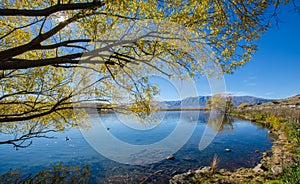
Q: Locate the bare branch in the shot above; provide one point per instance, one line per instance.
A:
(64, 44)
(18, 142)
(20, 28)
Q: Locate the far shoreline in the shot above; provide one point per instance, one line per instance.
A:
(185, 109)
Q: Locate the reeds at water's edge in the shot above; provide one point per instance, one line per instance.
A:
(214, 163)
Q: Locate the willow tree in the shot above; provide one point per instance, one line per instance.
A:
(110, 45)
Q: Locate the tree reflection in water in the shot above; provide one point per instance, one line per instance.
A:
(220, 122)
(20, 134)
(56, 174)
(23, 141)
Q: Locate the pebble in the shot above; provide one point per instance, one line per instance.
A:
(174, 173)
(257, 168)
(187, 158)
(276, 170)
(189, 173)
(159, 171)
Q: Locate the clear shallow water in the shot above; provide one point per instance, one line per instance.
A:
(242, 137)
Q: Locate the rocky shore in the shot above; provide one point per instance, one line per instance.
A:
(269, 168)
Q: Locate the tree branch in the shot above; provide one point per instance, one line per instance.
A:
(25, 63)
(53, 109)
(50, 10)
(35, 43)
(16, 28)
(18, 142)
(64, 44)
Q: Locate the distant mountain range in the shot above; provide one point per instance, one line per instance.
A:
(200, 101)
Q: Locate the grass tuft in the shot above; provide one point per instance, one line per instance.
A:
(214, 163)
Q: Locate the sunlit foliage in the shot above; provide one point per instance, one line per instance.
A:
(58, 54)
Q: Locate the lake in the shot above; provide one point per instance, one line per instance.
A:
(137, 152)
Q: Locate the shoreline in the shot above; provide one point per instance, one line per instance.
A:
(270, 166)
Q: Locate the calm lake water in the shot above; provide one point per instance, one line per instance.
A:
(242, 137)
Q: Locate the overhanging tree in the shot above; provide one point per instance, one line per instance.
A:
(109, 44)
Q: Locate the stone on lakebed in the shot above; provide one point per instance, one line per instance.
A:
(171, 157)
(228, 150)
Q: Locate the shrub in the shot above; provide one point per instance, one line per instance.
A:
(295, 136)
(292, 174)
(259, 116)
(243, 105)
(273, 121)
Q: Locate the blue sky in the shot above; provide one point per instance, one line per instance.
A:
(273, 72)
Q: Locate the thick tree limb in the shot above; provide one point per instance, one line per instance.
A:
(36, 42)
(67, 59)
(51, 10)
(24, 63)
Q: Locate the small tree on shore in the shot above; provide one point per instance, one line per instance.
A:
(220, 102)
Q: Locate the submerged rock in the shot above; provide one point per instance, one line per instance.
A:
(159, 171)
(270, 131)
(228, 150)
(171, 157)
(189, 159)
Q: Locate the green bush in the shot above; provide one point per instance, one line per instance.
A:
(274, 182)
(292, 174)
(294, 133)
(298, 152)
(259, 116)
(273, 121)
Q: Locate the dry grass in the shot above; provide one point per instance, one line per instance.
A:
(214, 163)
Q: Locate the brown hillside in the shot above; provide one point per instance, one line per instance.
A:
(288, 108)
